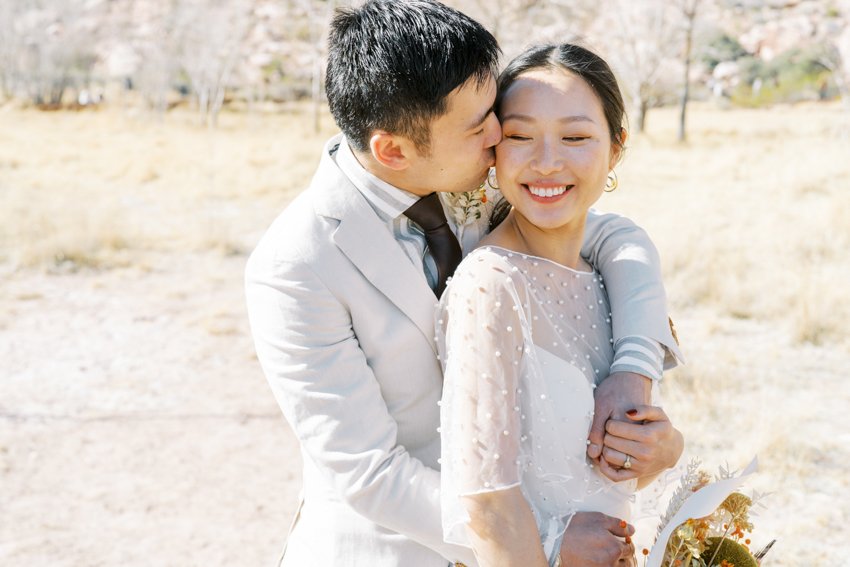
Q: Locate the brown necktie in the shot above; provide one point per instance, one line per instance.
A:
(428, 213)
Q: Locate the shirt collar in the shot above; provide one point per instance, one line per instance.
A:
(388, 201)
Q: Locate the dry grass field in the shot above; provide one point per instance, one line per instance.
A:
(137, 429)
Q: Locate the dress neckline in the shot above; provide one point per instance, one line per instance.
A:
(592, 272)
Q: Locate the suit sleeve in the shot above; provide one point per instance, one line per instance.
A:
(631, 268)
(324, 386)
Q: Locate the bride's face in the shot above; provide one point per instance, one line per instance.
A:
(556, 149)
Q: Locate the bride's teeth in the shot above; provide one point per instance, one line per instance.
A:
(548, 191)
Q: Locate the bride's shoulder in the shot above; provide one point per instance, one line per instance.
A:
(487, 258)
(487, 267)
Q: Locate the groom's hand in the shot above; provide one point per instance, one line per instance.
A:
(595, 540)
(618, 393)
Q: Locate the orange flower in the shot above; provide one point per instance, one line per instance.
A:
(645, 551)
(738, 533)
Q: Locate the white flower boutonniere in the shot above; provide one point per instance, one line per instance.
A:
(470, 206)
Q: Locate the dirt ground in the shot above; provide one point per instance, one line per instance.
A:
(135, 425)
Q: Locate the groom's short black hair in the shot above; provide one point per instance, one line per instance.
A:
(392, 63)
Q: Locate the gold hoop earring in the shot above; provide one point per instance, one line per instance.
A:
(491, 178)
(612, 183)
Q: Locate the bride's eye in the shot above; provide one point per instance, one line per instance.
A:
(517, 137)
(575, 138)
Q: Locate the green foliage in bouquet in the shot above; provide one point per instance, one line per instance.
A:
(720, 551)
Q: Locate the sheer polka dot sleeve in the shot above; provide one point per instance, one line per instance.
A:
(481, 344)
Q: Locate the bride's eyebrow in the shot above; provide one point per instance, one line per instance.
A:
(564, 119)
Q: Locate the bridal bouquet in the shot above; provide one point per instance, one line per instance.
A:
(707, 523)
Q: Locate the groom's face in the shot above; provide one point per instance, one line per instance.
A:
(462, 142)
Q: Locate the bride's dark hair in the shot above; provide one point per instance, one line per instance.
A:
(575, 59)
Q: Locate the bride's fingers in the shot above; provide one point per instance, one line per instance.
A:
(618, 459)
(630, 431)
(641, 432)
(625, 447)
(647, 413)
(616, 473)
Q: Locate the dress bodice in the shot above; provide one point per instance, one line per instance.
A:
(523, 341)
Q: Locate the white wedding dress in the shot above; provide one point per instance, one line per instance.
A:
(523, 341)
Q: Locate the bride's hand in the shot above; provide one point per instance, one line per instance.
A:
(648, 438)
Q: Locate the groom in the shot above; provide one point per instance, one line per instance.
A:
(341, 291)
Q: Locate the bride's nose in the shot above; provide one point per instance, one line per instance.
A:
(547, 157)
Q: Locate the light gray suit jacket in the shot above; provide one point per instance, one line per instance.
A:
(343, 326)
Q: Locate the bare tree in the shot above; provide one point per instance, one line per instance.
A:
(318, 16)
(639, 37)
(211, 35)
(8, 47)
(149, 32)
(551, 20)
(493, 14)
(689, 14)
(836, 57)
(47, 47)
(286, 50)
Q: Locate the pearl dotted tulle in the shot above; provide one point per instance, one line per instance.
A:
(524, 341)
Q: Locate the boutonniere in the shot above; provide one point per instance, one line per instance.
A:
(469, 206)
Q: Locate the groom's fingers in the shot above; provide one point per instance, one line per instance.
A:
(597, 434)
(615, 395)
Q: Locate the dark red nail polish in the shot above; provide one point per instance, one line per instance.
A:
(632, 412)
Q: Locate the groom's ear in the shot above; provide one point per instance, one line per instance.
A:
(390, 150)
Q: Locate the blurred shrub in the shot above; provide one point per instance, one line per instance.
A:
(718, 47)
(795, 75)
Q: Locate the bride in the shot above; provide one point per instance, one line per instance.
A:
(525, 332)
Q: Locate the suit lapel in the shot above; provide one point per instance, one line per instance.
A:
(366, 241)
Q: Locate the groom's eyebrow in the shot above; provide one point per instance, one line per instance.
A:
(479, 120)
